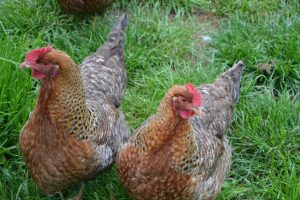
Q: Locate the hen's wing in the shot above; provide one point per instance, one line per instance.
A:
(103, 73)
(218, 102)
(214, 153)
(104, 81)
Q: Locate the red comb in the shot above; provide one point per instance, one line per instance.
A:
(33, 55)
(196, 95)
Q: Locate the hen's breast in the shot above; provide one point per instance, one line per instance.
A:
(154, 176)
(54, 158)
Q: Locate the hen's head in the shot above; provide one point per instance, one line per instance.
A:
(40, 62)
(186, 101)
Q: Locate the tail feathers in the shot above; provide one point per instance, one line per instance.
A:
(235, 75)
(117, 36)
(121, 24)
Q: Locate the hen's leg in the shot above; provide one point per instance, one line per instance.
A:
(60, 195)
(79, 196)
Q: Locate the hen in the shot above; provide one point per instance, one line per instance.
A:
(84, 6)
(178, 155)
(76, 128)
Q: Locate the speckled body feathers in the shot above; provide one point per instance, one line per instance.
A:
(77, 127)
(172, 158)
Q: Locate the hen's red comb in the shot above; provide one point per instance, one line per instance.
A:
(34, 55)
(196, 95)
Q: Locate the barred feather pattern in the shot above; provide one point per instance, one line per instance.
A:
(108, 79)
(210, 129)
(171, 158)
(104, 80)
(77, 127)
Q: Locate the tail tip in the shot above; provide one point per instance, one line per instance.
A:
(236, 77)
(240, 64)
(122, 23)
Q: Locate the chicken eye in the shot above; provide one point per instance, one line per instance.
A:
(183, 100)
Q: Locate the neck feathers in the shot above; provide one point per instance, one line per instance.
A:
(164, 126)
(62, 97)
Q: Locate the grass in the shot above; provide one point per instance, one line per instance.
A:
(163, 47)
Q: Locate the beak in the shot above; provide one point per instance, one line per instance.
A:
(198, 111)
(23, 65)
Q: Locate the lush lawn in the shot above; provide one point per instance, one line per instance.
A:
(164, 47)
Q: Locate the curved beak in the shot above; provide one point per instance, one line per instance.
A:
(23, 65)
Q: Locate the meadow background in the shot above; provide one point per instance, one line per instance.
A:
(164, 46)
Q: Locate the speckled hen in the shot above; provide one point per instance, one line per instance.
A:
(84, 6)
(77, 127)
(177, 155)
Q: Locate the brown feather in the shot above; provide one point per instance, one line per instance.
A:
(84, 6)
(173, 158)
(54, 158)
(72, 133)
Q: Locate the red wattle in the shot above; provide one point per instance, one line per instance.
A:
(185, 114)
(37, 74)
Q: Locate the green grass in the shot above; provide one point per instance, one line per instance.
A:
(163, 47)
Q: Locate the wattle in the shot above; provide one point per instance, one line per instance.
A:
(37, 74)
(185, 114)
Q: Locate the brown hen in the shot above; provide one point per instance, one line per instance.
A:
(76, 128)
(176, 155)
(84, 6)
